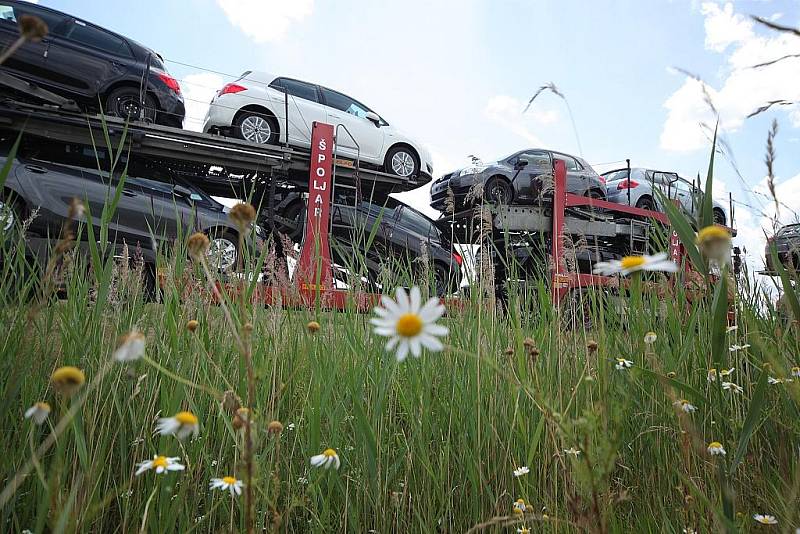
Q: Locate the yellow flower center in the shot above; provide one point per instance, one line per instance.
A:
(186, 418)
(715, 445)
(684, 402)
(69, 376)
(712, 233)
(409, 325)
(229, 480)
(160, 461)
(632, 262)
(330, 453)
(43, 406)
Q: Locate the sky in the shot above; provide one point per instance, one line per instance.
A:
(456, 75)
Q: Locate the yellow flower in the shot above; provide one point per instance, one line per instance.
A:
(409, 324)
(313, 326)
(326, 460)
(715, 448)
(181, 425)
(714, 243)
(192, 325)
(160, 464)
(67, 380)
(38, 412)
(650, 338)
(519, 507)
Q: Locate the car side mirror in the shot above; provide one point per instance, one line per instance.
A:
(374, 117)
(520, 164)
(183, 192)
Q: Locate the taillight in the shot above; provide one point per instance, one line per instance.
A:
(170, 82)
(458, 258)
(627, 184)
(231, 88)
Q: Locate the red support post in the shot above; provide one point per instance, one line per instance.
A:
(314, 272)
(560, 280)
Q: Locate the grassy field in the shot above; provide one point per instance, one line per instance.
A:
(429, 444)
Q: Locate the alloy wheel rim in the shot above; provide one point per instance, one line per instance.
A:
(256, 129)
(403, 164)
(6, 216)
(222, 253)
(499, 194)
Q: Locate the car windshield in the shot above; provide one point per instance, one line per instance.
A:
(614, 176)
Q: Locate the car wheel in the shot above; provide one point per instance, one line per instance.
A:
(259, 128)
(498, 191)
(402, 161)
(124, 102)
(223, 251)
(646, 203)
(8, 216)
(443, 279)
(719, 217)
(294, 213)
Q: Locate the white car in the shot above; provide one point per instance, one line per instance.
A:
(254, 108)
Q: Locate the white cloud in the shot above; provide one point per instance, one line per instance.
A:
(742, 90)
(266, 20)
(506, 111)
(198, 89)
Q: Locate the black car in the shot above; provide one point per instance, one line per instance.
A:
(515, 179)
(150, 214)
(787, 244)
(399, 232)
(91, 65)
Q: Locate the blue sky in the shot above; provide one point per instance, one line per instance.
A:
(456, 75)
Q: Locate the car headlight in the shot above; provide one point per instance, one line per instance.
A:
(472, 170)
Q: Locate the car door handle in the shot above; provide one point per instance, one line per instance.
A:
(35, 168)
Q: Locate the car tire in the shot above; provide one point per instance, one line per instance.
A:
(294, 212)
(719, 217)
(223, 252)
(498, 191)
(256, 127)
(443, 279)
(124, 102)
(646, 203)
(402, 161)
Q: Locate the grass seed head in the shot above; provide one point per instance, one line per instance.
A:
(192, 325)
(32, 28)
(592, 345)
(313, 326)
(275, 427)
(243, 216)
(198, 244)
(231, 402)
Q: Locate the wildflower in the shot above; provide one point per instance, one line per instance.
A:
(227, 483)
(733, 388)
(160, 464)
(509, 351)
(519, 506)
(243, 216)
(519, 471)
(231, 401)
(796, 372)
(130, 347)
(67, 380)
(775, 381)
(573, 451)
(192, 325)
(726, 372)
(409, 325)
(765, 519)
(714, 243)
(241, 418)
(715, 448)
(623, 364)
(275, 427)
(735, 348)
(291, 427)
(672, 374)
(684, 405)
(689, 530)
(197, 245)
(313, 327)
(712, 375)
(523, 530)
(630, 264)
(38, 412)
(650, 338)
(326, 460)
(181, 425)
(592, 345)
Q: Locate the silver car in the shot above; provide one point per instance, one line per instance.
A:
(638, 190)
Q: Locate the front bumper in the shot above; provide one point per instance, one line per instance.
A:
(447, 185)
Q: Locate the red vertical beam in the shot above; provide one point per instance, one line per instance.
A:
(314, 268)
(560, 283)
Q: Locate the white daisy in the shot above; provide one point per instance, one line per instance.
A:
(735, 348)
(730, 329)
(523, 530)
(765, 519)
(519, 506)
(409, 324)
(326, 460)
(726, 372)
(689, 530)
(227, 483)
(712, 375)
(684, 405)
(130, 348)
(573, 451)
(650, 338)
(623, 364)
(733, 388)
(181, 425)
(630, 264)
(774, 381)
(796, 372)
(715, 448)
(518, 472)
(38, 412)
(160, 464)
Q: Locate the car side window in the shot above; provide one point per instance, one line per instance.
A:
(414, 222)
(306, 91)
(344, 103)
(535, 158)
(11, 14)
(569, 162)
(88, 35)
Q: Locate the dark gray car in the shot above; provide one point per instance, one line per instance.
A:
(519, 178)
